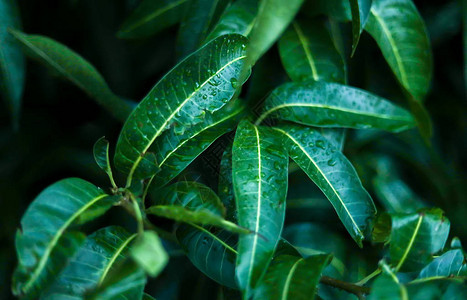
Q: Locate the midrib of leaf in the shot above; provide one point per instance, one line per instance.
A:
(409, 246)
(114, 257)
(214, 237)
(5, 70)
(402, 289)
(54, 241)
(154, 15)
(309, 57)
(161, 128)
(324, 176)
(289, 278)
(387, 117)
(394, 47)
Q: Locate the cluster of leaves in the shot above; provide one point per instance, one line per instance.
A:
(236, 236)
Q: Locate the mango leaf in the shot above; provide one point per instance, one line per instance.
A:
(333, 174)
(212, 252)
(387, 286)
(360, 10)
(335, 136)
(381, 229)
(273, 17)
(125, 281)
(151, 17)
(450, 264)
(225, 187)
(101, 156)
(238, 18)
(335, 9)
(308, 52)
(43, 227)
(192, 202)
(149, 253)
(92, 263)
(259, 171)
(12, 66)
(198, 87)
(200, 16)
(148, 297)
(416, 237)
(76, 69)
(401, 35)
(177, 148)
(334, 105)
(287, 274)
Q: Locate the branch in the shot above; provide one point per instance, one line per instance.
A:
(357, 290)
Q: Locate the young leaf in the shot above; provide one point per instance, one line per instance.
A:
(101, 156)
(308, 52)
(151, 17)
(360, 11)
(272, 19)
(416, 237)
(450, 264)
(238, 18)
(12, 66)
(149, 253)
(192, 202)
(333, 174)
(334, 105)
(92, 263)
(43, 226)
(401, 35)
(259, 171)
(197, 86)
(291, 277)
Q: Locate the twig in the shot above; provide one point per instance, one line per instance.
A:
(357, 290)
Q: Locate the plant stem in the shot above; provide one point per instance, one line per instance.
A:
(366, 279)
(357, 290)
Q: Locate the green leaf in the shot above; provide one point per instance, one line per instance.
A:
(151, 17)
(76, 69)
(44, 224)
(92, 263)
(12, 66)
(101, 156)
(177, 148)
(336, 9)
(259, 170)
(450, 264)
(148, 297)
(401, 35)
(195, 88)
(416, 237)
(291, 277)
(334, 105)
(200, 16)
(333, 174)
(388, 287)
(308, 52)
(211, 252)
(381, 229)
(149, 253)
(225, 187)
(192, 202)
(238, 18)
(273, 17)
(360, 10)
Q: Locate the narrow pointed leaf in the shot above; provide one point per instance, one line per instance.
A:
(44, 224)
(333, 174)
(151, 17)
(335, 9)
(327, 104)
(273, 17)
(101, 156)
(292, 277)
(92, 263)
(191, 202)
(450, 264)
(259, 170)
(238, 18)
(360, 10)
(401, 35)
(76, 69)
(12, 66)
(308, 52)
(194, 88)
(149, 253)
(335, 136)
(225, 187)
(416, 237)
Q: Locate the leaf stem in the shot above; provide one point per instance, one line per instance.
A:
(357, 290)
(369, 277)
(138, 214)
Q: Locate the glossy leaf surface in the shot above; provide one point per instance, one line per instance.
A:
(259, 170)
(149, 253)
(74, 68)
(401, 35)
(198, 86)
(360, 10)
(450, 264)
(388, 287)
(333, 174)
(151, 17)
(334, 105)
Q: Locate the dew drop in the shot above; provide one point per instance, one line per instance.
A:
(331, 162)
(320, 144)
(234, 82)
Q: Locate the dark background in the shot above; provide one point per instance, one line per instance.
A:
(60, 123)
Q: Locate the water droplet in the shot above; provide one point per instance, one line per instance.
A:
(224, 100)
(213, 93)
(234, 82)
(320, 144)
(205, 97)
(331, 162)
